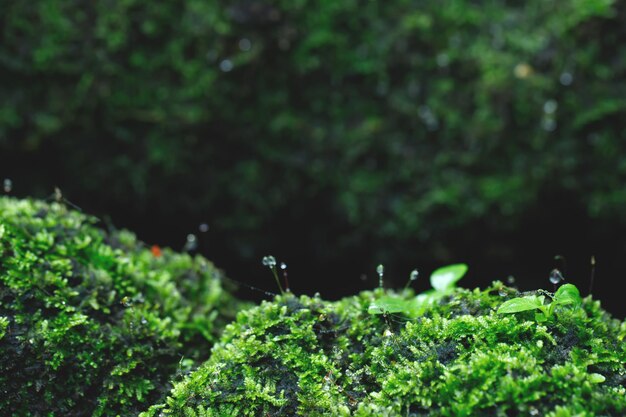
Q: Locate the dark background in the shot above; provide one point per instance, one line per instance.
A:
(332, 135)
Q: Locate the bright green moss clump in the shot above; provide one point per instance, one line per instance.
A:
(92, 323)
(307, 357)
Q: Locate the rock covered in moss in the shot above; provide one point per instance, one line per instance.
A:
(308, 357)
(94, 323)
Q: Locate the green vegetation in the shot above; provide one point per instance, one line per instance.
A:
(308, 357)
(400, 123)
(566, 295)
(443, 280)
(92, 323)
(95, 324)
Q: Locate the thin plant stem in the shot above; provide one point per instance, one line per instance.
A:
(275, 273)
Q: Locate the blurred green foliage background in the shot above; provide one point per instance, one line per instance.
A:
(333, 134)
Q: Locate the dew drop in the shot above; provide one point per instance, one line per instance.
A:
(502, 292)
(144, 321)
(550, 106)
(566, 78)
(191, 243)
(556, 276)
(203, 227)
(226, 65)
(380, 270)
(510, 280)
(414, 274)
(283, 266)
(269, 261)
(7, 185)
(387, 333)
(245, 44)
(443, 60)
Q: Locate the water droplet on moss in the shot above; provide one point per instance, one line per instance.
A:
(226, 65)
(380, 270)
(191, 243)
(566, 78)
(7, 185)
(556, 276)
(269, 261)
(550, 106)
(245, 44)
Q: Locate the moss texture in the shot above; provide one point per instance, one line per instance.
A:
(308, 357)
(93, 323)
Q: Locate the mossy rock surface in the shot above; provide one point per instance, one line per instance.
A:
(308, 357)
(93, 323)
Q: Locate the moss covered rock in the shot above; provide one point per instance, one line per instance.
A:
(309, 357)
(94, 323)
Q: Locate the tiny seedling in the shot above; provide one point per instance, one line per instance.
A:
(443, 281)
(566, 295)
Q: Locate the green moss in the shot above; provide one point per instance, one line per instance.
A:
(93, 323)
(308, 357)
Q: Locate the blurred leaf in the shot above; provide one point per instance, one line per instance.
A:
(446, 277)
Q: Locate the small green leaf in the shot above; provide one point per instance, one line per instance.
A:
(389, 304)
(445, 277)
(1, 230)
(540, 317)
(423, 301)
(596, 378)
(567, 294)
(516, 305)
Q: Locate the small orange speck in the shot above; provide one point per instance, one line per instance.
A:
(156, 251)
